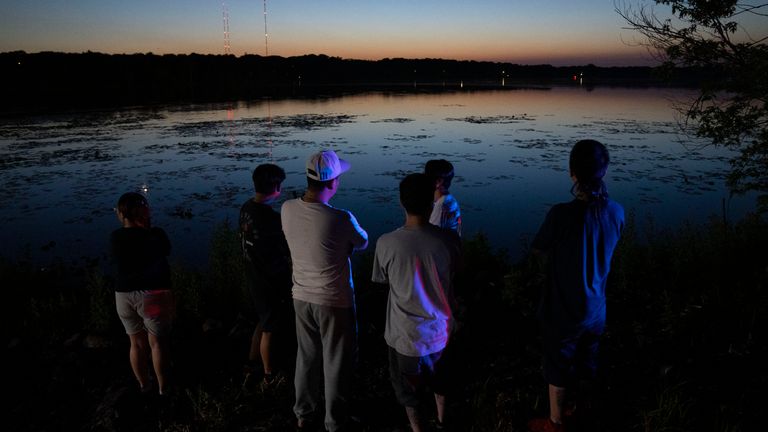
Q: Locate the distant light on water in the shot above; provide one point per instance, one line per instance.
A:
(144, 189)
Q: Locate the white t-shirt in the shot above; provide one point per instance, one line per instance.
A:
(446, 213)
(321, 238)
(419, 264)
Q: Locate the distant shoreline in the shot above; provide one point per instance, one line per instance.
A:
(44, 82)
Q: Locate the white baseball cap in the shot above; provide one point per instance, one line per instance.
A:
(325, 165)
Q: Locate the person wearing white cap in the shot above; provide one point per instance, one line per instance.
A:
(321, 239)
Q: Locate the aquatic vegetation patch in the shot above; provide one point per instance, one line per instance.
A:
(500, 119)
(398, 137)
(626, 126)
(394, 120)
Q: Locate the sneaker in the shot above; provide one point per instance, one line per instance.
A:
(544, 425)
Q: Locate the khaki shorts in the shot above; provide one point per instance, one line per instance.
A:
(151, 310)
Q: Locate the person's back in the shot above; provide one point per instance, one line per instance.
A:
(321, 239)
(578, 239)
(263, 242)
(268, 267)
(418, 261)
(140, 258)
(143, 297)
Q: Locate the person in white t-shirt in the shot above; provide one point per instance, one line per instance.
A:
(446, 212)
(418, 261)
(321, 239)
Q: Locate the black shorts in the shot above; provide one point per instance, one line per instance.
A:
(411, 376)
(569, 358)
(272, 304)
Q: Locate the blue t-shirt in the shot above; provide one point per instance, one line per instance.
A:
(578, 239)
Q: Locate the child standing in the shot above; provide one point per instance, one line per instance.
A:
(143, 289)
(577, 239)
(418, 261)
(446, 212)
(268, 266)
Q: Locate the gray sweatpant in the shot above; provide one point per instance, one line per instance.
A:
(326, 338)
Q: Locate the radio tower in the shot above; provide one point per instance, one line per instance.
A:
(225, 18)
(266, 34)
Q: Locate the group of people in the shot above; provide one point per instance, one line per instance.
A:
(298, 262)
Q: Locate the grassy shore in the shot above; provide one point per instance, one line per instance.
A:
(685, 347)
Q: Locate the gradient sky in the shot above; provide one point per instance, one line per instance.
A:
(558, 32)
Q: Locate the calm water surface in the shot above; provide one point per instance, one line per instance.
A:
(62, 174)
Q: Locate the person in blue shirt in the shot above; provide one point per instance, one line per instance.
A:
(577, 241)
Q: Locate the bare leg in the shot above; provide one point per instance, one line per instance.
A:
(138, 355)
(440, 404)
(413, 418)
(160, 360)
(265, 347)
(255, 351)
(556, 402)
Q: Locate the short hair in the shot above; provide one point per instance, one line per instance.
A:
(317, 185)
(417, 194)
(134, 207)
(267, 178)
(439, 169)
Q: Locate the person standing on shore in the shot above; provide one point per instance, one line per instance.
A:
(321, 239)
(143, 295)
(446, 212)
(418, 261)
(577, 240)
(268, 267)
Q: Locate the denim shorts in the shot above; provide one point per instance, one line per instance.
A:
(150, 310)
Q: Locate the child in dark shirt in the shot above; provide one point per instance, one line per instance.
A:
(268, 266)
(143, 289)
(578, 239)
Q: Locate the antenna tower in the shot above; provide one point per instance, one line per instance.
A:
(266, 34)
(225, 18)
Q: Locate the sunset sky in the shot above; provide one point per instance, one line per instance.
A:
(557, 32)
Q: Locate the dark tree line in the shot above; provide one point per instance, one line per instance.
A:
(51, 80)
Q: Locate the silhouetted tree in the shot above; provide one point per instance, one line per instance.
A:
(732, 107)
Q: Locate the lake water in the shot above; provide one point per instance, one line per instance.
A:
(62, 174)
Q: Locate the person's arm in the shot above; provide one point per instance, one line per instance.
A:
(359, 236)
(379, 272)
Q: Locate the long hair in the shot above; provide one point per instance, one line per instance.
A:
(134, 207)
(588, 163)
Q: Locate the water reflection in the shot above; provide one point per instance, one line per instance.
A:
(509, 149)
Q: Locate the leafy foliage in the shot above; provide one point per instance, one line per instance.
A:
(732, 106)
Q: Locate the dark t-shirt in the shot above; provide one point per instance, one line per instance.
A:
(578, 240)
(264, 246)
(140, 259)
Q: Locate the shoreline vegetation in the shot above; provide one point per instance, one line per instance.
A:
(54, 81)
(685, 347)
